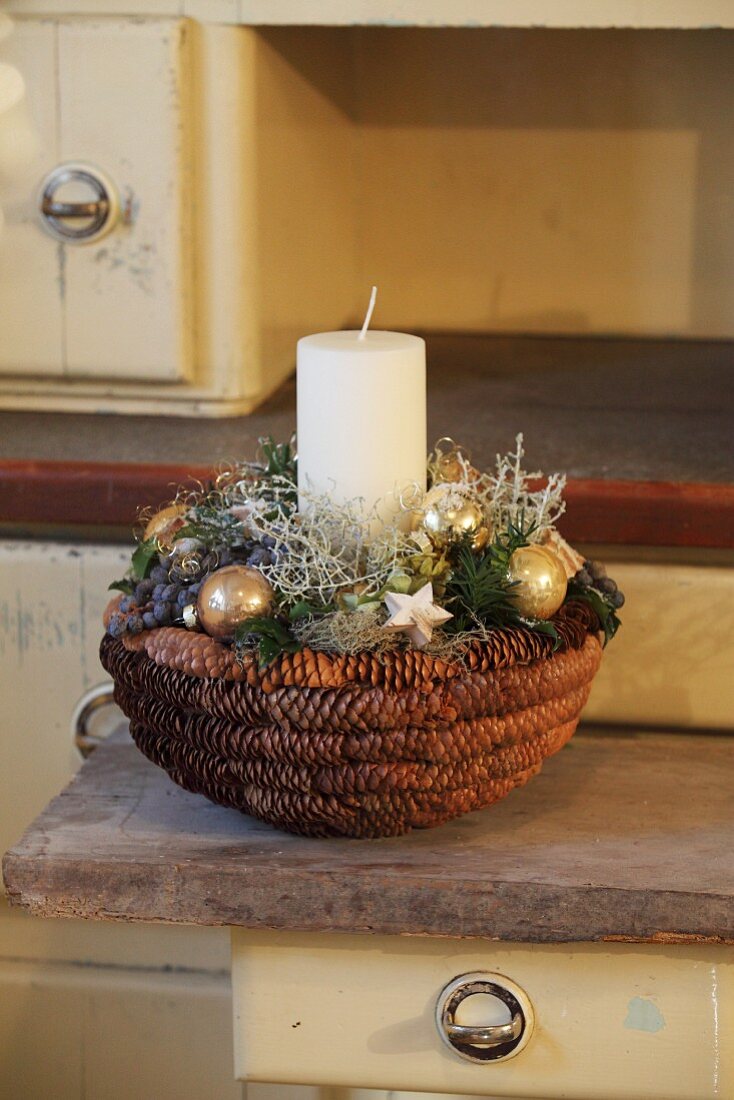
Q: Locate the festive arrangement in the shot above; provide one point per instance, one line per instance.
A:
(354, 640)
(477, 552)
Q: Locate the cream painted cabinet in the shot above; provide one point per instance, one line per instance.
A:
(328, 1017)
(111, 94)
(509, 179)
(232, 172)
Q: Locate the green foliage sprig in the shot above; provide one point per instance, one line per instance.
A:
(275, 478)
(480, 591)
(213, 527)
(514, 537)
(279, 459)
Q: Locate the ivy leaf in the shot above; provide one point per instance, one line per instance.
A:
(543, 626)
(143, 558)
(124, 585)
(271, 628)
(273, 638)
(605, 613)
(267, 650)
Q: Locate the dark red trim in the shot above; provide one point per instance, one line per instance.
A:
(104, 493)
(646, 513)
(649, 513)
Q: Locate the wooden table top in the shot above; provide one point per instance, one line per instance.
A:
(623, 836)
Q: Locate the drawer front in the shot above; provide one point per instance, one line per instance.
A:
(614, 1021)
(671, 665)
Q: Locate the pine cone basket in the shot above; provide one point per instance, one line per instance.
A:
(358, 746)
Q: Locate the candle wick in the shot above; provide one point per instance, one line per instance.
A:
(368, 315)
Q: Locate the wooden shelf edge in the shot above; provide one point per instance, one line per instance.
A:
(101, 890)
(617, 512)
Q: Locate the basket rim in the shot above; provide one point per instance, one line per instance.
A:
(205, 658)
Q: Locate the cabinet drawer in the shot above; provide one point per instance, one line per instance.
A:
(613, 1021)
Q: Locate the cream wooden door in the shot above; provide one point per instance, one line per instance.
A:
(113, 94)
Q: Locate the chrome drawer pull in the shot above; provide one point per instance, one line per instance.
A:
(490, 1042)
(74, 209)
(78, 203)
(492, 1036)
(91, 702)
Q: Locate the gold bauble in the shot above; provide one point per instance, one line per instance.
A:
(449, 466)
(231, 595)
(540, 578)
(449, 516)
(164, 524)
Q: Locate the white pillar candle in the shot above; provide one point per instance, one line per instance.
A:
(361, 417)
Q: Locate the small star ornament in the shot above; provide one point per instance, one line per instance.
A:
(415, 615)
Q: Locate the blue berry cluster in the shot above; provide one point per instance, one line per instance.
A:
(594, 575)
(156, 601)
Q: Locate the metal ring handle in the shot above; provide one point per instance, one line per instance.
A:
(493, 1036)
(491, 1042)
(95, 215)
(93, 700)
(74, 209)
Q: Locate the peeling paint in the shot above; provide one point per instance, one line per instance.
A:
(109, 259)
(138, 261)
(61, 270)
(644, 1015)
(715, 1012)
(130, 206)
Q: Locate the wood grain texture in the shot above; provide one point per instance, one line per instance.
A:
(621, 837)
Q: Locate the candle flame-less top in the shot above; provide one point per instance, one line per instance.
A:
(362, 416)
(348, 342)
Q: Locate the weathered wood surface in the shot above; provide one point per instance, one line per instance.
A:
(622, 836)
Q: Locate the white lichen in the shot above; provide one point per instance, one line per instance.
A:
(509, 493)
(327, 548)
